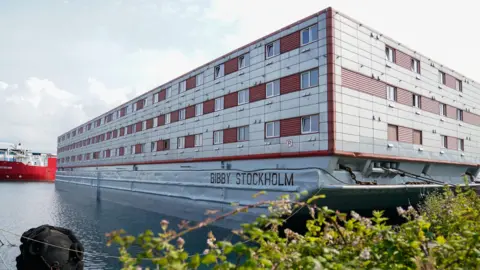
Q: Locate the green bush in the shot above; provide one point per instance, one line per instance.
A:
(442, 234)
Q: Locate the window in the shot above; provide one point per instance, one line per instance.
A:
(441, 77)
(219, 104)
(167, 118)
(443, 140)
(153, 146)
(417, 137)
(219, 71)
(443, 109)
(309, 79)
(168, 92)
(199, 79)
(218, 137)
(415, 65)
(163, 145)
(417, 101)
(198, 140)
(182, 86)
(180, 142)
(459, 114)
(389, 54)
(273, 88)
(309, 34)
(166, 144)
(155, 121)
(198, 109)
(391, 93)
(181, 114)
(242, 96)
(272, 49)
(243, 61)
(242, 134)
(156, 98)
(460, 145)
(310, 124)
(458, 85)
(392, 133)
(272, 129)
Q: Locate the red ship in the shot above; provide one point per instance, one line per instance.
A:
(22, 165)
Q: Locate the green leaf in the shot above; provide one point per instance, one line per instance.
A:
(441, 240)
(183, 256)
(228, 250)
(265, 262)
(316, 197)
(259, 193)
(162, 261)
(194, 261)
(209, 259)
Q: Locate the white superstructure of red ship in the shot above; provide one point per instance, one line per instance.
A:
(18, 164)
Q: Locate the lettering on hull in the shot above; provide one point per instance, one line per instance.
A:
(252, 179)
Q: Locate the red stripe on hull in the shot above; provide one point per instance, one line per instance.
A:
(19, 172)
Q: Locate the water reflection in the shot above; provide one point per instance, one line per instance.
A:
(27, 205)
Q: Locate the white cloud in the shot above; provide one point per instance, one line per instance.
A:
(3, 85)
(40, 111)
(40, 89)
(36, 113)
(112, 97)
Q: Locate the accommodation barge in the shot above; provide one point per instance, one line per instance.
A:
(326, 104)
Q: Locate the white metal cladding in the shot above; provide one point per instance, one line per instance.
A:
(361, 119)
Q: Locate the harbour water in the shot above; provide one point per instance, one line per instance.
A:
(27, 205)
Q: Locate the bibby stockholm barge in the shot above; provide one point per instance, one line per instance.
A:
(326, 104)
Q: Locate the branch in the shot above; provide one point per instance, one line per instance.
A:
(339, 231)
(221, 217)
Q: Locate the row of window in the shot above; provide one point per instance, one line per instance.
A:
(417, 102)
(391, 57)
(309, 124)
(307, 35)
(272, 49)
(415, 67)
(443, 80)
(393, 135)
(417, 138)
(308, 79)
(445, 144)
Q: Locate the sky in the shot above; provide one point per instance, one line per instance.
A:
(64, 62)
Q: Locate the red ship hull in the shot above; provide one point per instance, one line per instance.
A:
(19, 172)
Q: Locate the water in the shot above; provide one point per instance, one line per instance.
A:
(27, 205)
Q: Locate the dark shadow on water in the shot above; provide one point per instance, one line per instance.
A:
(100, 217)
